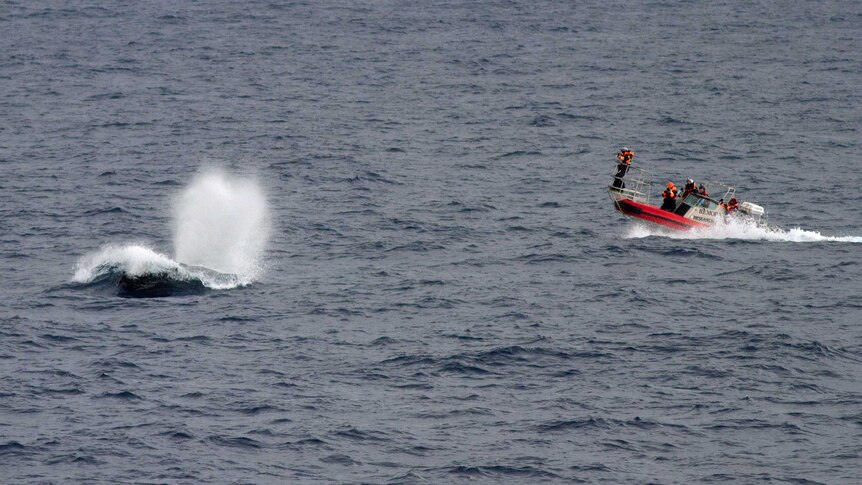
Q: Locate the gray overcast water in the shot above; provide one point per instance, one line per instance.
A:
(408, 269)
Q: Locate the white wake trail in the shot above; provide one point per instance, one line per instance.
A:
(740, 229)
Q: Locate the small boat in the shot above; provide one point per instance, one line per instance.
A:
(631, 196)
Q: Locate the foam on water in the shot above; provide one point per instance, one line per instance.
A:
(740, 229)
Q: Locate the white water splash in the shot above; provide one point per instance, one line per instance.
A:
(134, 260)
(740, 229)
(221, 226)
(221, 223)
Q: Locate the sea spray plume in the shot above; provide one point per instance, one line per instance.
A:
(221, 227)
(221, 222)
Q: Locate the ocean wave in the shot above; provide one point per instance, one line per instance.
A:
(137, 270)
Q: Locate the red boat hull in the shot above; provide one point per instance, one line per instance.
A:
(655, 215)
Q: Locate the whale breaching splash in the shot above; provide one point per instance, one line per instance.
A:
(741, 229)
(220, 225)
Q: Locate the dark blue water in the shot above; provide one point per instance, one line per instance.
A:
(446, 294)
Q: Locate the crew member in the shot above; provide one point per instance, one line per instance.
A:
(732, 206)
(702, 191)
(690, 188)
(625, 157)
(669, 195)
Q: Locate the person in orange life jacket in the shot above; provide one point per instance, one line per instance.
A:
(702, 191)
(669, 195)
(732, 206)
(690, 188)
(625, 157)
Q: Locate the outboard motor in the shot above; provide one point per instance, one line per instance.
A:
(752, 210)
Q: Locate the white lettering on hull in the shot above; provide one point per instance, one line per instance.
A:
(702, 214)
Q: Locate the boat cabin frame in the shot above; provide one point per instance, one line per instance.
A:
(637, 186)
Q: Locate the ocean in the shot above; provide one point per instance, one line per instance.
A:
(370, 242)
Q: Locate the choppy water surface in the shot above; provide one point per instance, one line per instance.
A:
(255, 242)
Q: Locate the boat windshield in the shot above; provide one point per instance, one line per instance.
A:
(695, 200)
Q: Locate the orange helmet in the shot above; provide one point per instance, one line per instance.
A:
(670, 185)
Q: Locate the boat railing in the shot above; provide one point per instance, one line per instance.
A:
(635, 185)
(729, 191)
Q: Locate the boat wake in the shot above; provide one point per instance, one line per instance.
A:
(740, 229)
(221, 226)
(138, 271)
